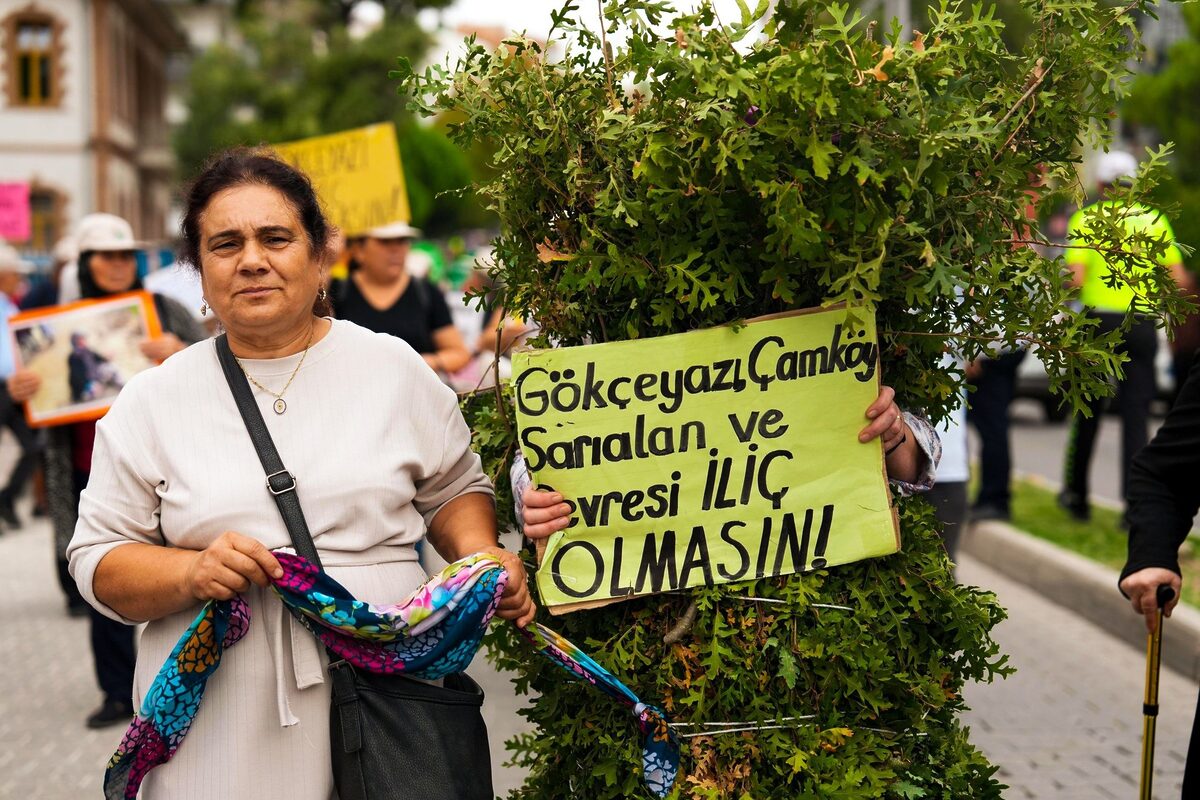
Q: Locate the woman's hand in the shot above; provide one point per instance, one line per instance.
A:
(887, 422)
(162, 347)
(1141, 588)
(23, 384)
(228, 566)
(902, 456)
(545, 512)
(515, 604)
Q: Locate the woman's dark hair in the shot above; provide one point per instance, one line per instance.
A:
(245, 166)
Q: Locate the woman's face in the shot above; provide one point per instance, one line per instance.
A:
(113, 271)
(256, 263)
(382, 259)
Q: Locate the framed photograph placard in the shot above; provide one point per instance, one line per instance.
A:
(84, 353)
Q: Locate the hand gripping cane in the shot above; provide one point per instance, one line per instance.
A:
(1162, 596)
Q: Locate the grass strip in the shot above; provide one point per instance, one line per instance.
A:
(1035, 511)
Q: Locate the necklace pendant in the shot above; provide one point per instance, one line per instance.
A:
(280, 405)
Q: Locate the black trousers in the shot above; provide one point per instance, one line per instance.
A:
(113, 651)
(114, 655)
(988, 412)
(12, 416)
(1135, 392)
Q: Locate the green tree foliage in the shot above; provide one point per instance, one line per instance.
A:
(279, 87)
(1163, 100)
(698, 174)
(1018, 20)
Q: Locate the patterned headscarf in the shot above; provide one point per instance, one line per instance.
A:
(434, 632)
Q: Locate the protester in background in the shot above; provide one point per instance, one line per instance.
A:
(107, 266)
(1163, 496)
(178, 513)
(13, 273)
(1109, 304)
(381, 295)
(994, 380)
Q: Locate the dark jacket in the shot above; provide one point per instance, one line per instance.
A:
(1163, 495)
(1164, 487)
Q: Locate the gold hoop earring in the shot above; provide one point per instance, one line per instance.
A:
(204, 309)
(321, 295)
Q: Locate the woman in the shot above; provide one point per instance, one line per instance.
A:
(1164, 496)
(178, 511)
(383, 296)
(107, 266)
(910, 445)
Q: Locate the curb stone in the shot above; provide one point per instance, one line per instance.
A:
(1083, 587)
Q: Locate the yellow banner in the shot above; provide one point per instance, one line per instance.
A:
(357, 176)
(706, 457)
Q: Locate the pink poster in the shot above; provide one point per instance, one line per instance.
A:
(14, 212)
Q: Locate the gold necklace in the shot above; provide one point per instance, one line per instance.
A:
(279, 405)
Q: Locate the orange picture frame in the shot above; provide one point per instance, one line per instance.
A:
(84, 352)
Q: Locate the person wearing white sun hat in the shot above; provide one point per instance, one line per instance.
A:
(107, 266)
(382, 294)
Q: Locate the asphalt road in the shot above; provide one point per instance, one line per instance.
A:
(1038, 448)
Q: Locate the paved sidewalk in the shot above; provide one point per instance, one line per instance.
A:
(1068, 724)
(46, 662)
(50, 687)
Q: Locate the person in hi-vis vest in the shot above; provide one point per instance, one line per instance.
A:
(1109, 305)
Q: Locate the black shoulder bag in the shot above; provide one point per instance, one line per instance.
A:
(392, 737)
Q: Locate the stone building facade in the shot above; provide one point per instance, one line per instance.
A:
(83, 92)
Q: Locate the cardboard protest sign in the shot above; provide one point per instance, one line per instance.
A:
(15, 223)
(707, 457)
(356, 174)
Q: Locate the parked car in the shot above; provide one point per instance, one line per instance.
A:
(1034, 384)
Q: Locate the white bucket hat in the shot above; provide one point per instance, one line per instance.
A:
(105, 233)
(11, 261)
(393, 230)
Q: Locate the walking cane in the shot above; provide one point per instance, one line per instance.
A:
(1162, 596)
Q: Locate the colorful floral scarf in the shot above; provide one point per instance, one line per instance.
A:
(433, 633)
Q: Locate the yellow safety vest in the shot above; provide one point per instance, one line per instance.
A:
(1095, 293)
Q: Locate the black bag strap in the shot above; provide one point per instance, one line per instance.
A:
(280, 483)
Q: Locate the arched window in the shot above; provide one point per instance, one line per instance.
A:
(33, 42)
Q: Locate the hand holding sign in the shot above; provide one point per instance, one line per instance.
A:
(545, 512)
(902, 457)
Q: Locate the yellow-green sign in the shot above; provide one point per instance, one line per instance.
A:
(707, 457)
(357, 176)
